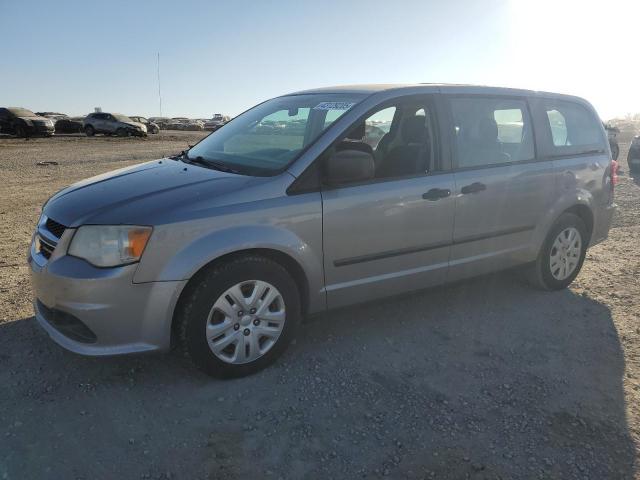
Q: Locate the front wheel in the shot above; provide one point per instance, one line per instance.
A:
(20, 131)
(562, 254)
(239, 317)
(89, 131)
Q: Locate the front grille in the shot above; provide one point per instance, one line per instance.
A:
(57, 229)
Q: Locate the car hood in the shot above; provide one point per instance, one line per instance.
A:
(144, 194)
(35, 117)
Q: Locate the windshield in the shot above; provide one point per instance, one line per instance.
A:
(121, 118)
(268, 137)
(21, 112)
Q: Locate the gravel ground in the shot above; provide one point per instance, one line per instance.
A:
(483, 379)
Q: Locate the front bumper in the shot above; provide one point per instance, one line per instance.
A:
(41, 130)
(122, 317)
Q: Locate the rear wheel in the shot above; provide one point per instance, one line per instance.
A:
(239, 317)
(615, 151)
(89, 130)
(634, 164)
(562, 254)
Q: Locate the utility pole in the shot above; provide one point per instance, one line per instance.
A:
(159, 94)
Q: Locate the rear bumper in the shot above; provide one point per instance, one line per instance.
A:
(602, 223)
(93, 311)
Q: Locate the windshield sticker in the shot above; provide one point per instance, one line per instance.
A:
(334, 106)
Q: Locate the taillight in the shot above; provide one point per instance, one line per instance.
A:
(614, 173)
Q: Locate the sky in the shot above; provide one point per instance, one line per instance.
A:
(225, 56)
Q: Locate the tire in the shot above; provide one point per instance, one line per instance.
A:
(540, 273)
(89, 131)
(198, 310)
(615, 151)
(121, 132)
(20, 131)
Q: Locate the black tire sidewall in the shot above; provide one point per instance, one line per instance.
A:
(214, 283)
(89, 131)
(567, 220)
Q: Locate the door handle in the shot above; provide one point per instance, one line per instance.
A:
(436, 194)
(475, 187)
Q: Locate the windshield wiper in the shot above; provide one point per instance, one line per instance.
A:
(209, 163)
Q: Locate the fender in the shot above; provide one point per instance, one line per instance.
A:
(192, 256)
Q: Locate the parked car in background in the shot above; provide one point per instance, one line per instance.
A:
(182, 123)
(160, 121)
(152, 127)
(612, 132)
(53, 116)
(633, 158)
(112, 124)
(70, 125)
(23, 123)
(224, 248)
(215, 122)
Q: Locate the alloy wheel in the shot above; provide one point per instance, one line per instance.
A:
(565, 253)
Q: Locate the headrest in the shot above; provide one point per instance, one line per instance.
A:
(357, 133)
(414, 129)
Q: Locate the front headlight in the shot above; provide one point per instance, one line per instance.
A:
(109, 246)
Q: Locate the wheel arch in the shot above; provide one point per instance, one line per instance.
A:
(290, 264)
(585, 214)
(579, 203)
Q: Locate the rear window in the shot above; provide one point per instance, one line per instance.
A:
(573, 129)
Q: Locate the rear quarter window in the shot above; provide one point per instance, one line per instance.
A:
(572, 129)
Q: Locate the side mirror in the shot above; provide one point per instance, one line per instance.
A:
(349, 166)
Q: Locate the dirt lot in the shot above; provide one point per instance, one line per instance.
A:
(483, 379)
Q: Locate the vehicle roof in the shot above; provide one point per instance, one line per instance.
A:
(107, 113)
(16, 108)
(434, 87)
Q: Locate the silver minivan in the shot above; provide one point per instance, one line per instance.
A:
(318, 200)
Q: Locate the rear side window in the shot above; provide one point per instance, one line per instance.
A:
(573, 128)
(491, 131)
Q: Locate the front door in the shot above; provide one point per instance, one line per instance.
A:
(393, 233)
